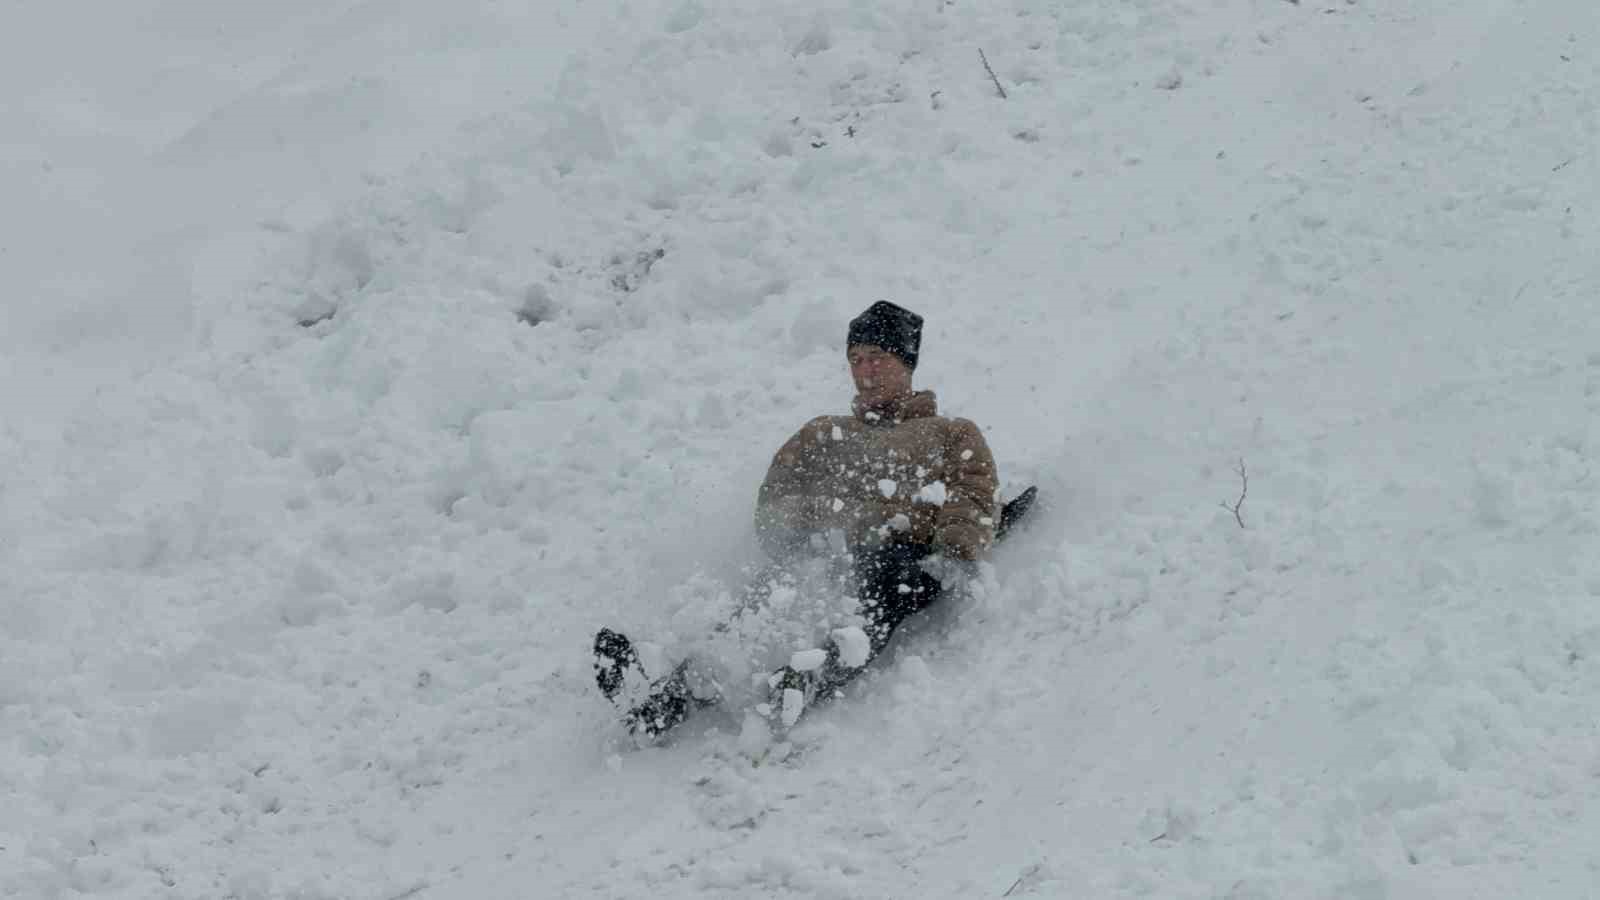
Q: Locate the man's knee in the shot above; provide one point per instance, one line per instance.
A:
(892, 585)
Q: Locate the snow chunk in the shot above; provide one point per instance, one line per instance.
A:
(887, 487)
(807, 660)
(934, 494)
(854, 646)
(838, 433)
(837, 504)
(966, 455)
(793, 703)
(899, 522)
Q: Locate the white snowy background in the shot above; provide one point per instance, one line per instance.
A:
(302, 611)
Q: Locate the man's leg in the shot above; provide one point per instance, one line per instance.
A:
(891, 585)
(669, 703)
(672, 697)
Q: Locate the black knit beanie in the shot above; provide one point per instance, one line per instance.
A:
(894, 328)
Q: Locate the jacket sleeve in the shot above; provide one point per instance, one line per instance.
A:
(786, 512)
(968, 518)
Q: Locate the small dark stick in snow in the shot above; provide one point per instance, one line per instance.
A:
(992, 77)
(1244, 481)
(1026, 874)
(411, 892)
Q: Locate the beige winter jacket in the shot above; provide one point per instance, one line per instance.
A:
(896, 473)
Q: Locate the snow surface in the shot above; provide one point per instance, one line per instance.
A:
(855, 648)
(303, 610)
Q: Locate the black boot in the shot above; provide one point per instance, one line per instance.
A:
(613, 654)
(671, 698)
(781, 714)
(668, 705)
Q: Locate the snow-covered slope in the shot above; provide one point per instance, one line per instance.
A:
(301, 610)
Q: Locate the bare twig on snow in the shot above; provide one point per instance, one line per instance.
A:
(1027, 873)
(992, 77)
(1244, 488)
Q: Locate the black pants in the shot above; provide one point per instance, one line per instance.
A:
(889, 582)
(891, 586)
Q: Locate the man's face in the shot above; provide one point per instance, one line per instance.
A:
(879, 375)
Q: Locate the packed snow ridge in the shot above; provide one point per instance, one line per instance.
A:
(360, 363)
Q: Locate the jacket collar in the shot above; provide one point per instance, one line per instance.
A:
(918, 405)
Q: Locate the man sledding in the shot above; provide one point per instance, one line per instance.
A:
(899, 497)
